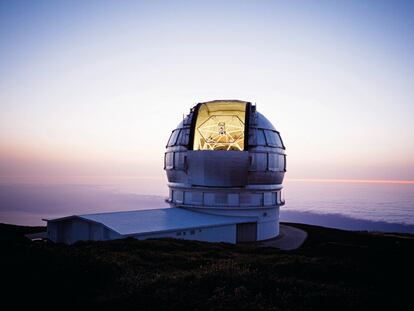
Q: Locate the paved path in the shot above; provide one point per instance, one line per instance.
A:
(289, 238)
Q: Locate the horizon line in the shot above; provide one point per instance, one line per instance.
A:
(348, 180)
(107, 177)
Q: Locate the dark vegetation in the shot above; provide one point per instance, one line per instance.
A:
(334, 270)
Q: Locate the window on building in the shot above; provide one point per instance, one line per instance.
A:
(273, 162)
(260, 136)
(179, 160)
(220, 199)
(273, 139)
(245, 199)
(258, 161)
(173, 138)
(183, 137)
(169, 160)
(178, 196)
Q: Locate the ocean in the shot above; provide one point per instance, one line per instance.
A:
(351, 205)
(368, 206)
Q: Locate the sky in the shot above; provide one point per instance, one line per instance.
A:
(93, 89)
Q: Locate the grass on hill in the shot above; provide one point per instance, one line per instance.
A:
(333, 270)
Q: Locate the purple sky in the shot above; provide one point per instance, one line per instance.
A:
(92, 89)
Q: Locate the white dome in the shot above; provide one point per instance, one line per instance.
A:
(226, 132)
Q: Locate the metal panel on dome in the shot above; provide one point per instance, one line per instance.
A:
(218, 168)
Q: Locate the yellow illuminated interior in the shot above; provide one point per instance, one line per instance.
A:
(220, 126)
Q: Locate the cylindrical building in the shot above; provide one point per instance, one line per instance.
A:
(225, 158)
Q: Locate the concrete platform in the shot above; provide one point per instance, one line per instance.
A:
(289, 238)
(36, 236)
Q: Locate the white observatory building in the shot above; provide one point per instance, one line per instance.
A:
(225, 164)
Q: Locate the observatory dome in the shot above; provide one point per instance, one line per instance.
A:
(225, 156)
(225, 164)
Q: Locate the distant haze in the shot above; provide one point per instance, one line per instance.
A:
(345, 205)
(92, 89)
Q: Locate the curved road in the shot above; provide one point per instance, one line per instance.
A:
(289, 238)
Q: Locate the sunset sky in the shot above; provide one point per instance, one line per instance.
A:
(94, 88)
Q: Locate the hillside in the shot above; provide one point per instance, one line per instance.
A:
(334, 269)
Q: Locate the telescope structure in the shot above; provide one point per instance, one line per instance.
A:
(225, 164)
(226, 158)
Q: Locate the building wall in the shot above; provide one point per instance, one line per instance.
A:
(267, 218)
(52, 231)
(267, 230)
(225, 233)
(70, 231)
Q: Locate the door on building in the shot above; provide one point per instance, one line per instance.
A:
(247, 232)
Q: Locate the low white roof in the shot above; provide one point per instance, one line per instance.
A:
(158, 220)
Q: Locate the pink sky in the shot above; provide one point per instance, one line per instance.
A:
(96, 90)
